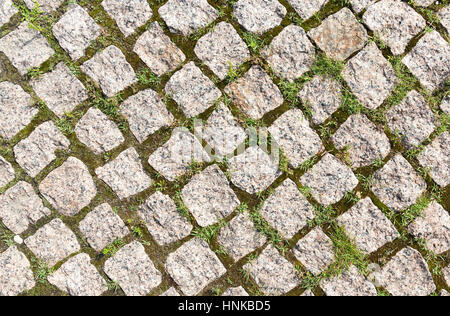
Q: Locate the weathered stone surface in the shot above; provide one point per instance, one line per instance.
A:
(447, 274)
(329, 180)
(287, 210)
(125, 174)
(444, 16)
(412, 119)
(349, 283)
(397, 184)
(97, 132)
(192, 90)
(111, 70)
(44, 5)
(7, 10)
(21, 207)
(129, 15)
(157, 51)
(359, 5)
(395, 22)
(15, 273)
(221, 48)
(423, 3)
(306, 9)
(78, 277)
(18, 240)
(340, 35)
(60, 90)
(16, 110)
(315, 251)
(273, 273)
(365, 141)
(133, 270)
(255, 93)
(239, 237)
(75, 31)
(209, 197)
(433, 225)
(290, 54)
(323, 96)
(38, 88)
(406, 275)
(435, 157)
(69, 188)
(7, 173)
(259, 16)
(173, 159)
(164, 222)
(25, 48)
(53, 242)
(102, 226)
(445, 105)
(370, 76)
(146, 113)
(367, 226)
(38, 150)
(297, 139)
(186, 17)
(235, 291)
(222, 132)
(171, 292)
(254, 170)
(428, 60)
(193, 266)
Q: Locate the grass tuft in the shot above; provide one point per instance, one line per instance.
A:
(108, 106)
(114, 247)
(324, 215)
(328, 67)
(208, 233)
(414, 211)
(253, 41)
(346, 254)
(264, 228)
(35, 17)
(42, 272)
(145, 76)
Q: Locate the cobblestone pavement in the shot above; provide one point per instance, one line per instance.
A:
(221, 147)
